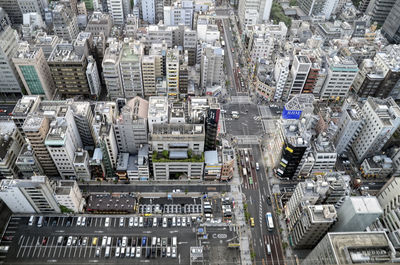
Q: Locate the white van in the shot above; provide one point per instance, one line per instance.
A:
(107, 222)
(153, 241)
(107, 254)
(31, 220)
(268, 249)
(174, 241)
(109, 241)
(104, 241)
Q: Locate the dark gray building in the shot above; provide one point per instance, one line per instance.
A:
(391, 27)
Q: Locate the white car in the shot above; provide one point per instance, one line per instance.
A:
(168, 251)
(104, 241)
(184, 221)
(133, 252)
(107, 222)
(117, 251)
(121, 221)
(130, 221)
(136, 221)
(173, 253)
(124, 241)
(140, 221)
(138, 252)
(78, 222)
(155, 222)
(178, 221)
(164, 222)
(83, 223)
(69, 242)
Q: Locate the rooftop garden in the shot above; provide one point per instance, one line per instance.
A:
(163, 157)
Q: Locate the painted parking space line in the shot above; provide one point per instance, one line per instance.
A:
(20, 244)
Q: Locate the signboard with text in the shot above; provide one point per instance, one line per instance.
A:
(291, 114)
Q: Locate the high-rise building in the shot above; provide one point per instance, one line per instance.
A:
(368, 80)
(62, 141)
(45, 42)
(339, 68)
(11, 142)
(10, 84)
(33, 195)
(351, 248)
(65, 24)
(11, 7)
(312, 225)
(357, 213)
(36, 127)
(158, 111)
(151, 73)
(318, 7)
(81, 165)
(212, 62)
(116, 10)
(391, 27)
(99, 22)
(180, 13)
(28, 163)
(211, 122)
(252, 12)
(32, 6)
(93, 78)
(148, 10)
(130, 64)
(131, 126)
(380, 10)
(34, 71)
(68, 194)
(281, 74)
(68, 67)
(300, 69)
(83, 116)
(172, 68)
(112, 71)
(381, 120)
(389, 65)
(349, 126)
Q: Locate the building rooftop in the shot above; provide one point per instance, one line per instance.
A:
(26, 155)
(7, 129)
(24, 105)
(65, 52)
(80, 156)
(178, 129)
(366, 205)
(25, 52)
(322, 213)
(33, 122)
(158, 107)
(99, 18)
(57, 133)
(361, 247)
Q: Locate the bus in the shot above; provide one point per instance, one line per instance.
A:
(270, 222)
(244, 172)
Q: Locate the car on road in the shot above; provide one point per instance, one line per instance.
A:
(168, 251)
(83, 221)
(173, 252)
(252, 222)
(154, 221)
(257, 166)
(98, 252)
(85, 241)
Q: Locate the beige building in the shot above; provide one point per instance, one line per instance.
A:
(68, 194)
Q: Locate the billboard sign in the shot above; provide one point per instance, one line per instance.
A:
(291, 114)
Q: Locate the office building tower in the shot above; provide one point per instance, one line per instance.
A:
(323, 8)
(312, 225)
(99, 23)
(13, 10)
(45, 42)
(33, 195)
(62, 141)
(151, 74)
(368, 80)
(130, 64)
(81, 165)
(300, 69)
(381, 120)
(65, 24)
(349, 126)
(131, 125)
(158, 111)
(252, 12)
(112, 71)
(148, 10)
(68, 68)
(212, 62)
(281, 74)
(83, 116)
(32, 6)
(389, 65)
(109, 148)
(24, 106)
(34, 71)
(116, 10)
(27, 162)
(380, 10)
(68, 194)
(93, 78)
(11, 142)
(351, 248)
(172, 67)
(190, 45)
(36, 127)
(180, 13)
(211, 123)
(343, 68)
(10, 84)
(357, 213)
(391, 27)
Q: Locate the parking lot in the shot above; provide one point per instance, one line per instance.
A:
(68, 240)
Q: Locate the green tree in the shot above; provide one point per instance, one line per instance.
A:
(65, 209)
(165, 154)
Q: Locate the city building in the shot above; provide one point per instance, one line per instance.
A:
(212, 165)
(228, 164)
(180, 13)
(13, 10)
(317, 7)
(10, 84)
(11, 142)
(99, 23)
(93, 78)
(34, 195)
(349, 126)
(172, 70)
(116, 11)
(65, 24)
(390, 28)
(131, 126)
(343, 68)
(381, 120)
(300, 69)
(281, 73)
(27, 162)
(130, 65)
(379, 166)
(380, 9)
(368, 80)
(148, 10)
(68, 67)
(34, 71)
(357, 213)
(112, 71)
(252, 12)
(158, 111)
(352, 248)
(312, 225)
(45, 42)
(389, 65)
(81, 165)
(212, 62)
(68, 194)
(36, 128)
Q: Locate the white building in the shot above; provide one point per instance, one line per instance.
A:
(172, 68)
(339, 68)
(68, 194)
(33, 195)
(112, 71)
(116, 10)
(81, 165)
(93, 77)
(301, 67)
(253, 12)
(158, 111)
(65, 24)
(212, 62)
(148, 11)
(381, 120)
(349, 126)
(180, 13)
(281, 74)
(131, 69)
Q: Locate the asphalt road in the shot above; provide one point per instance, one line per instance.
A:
(154, 188)
(258, 207)
(229, 60)
(246, 124)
